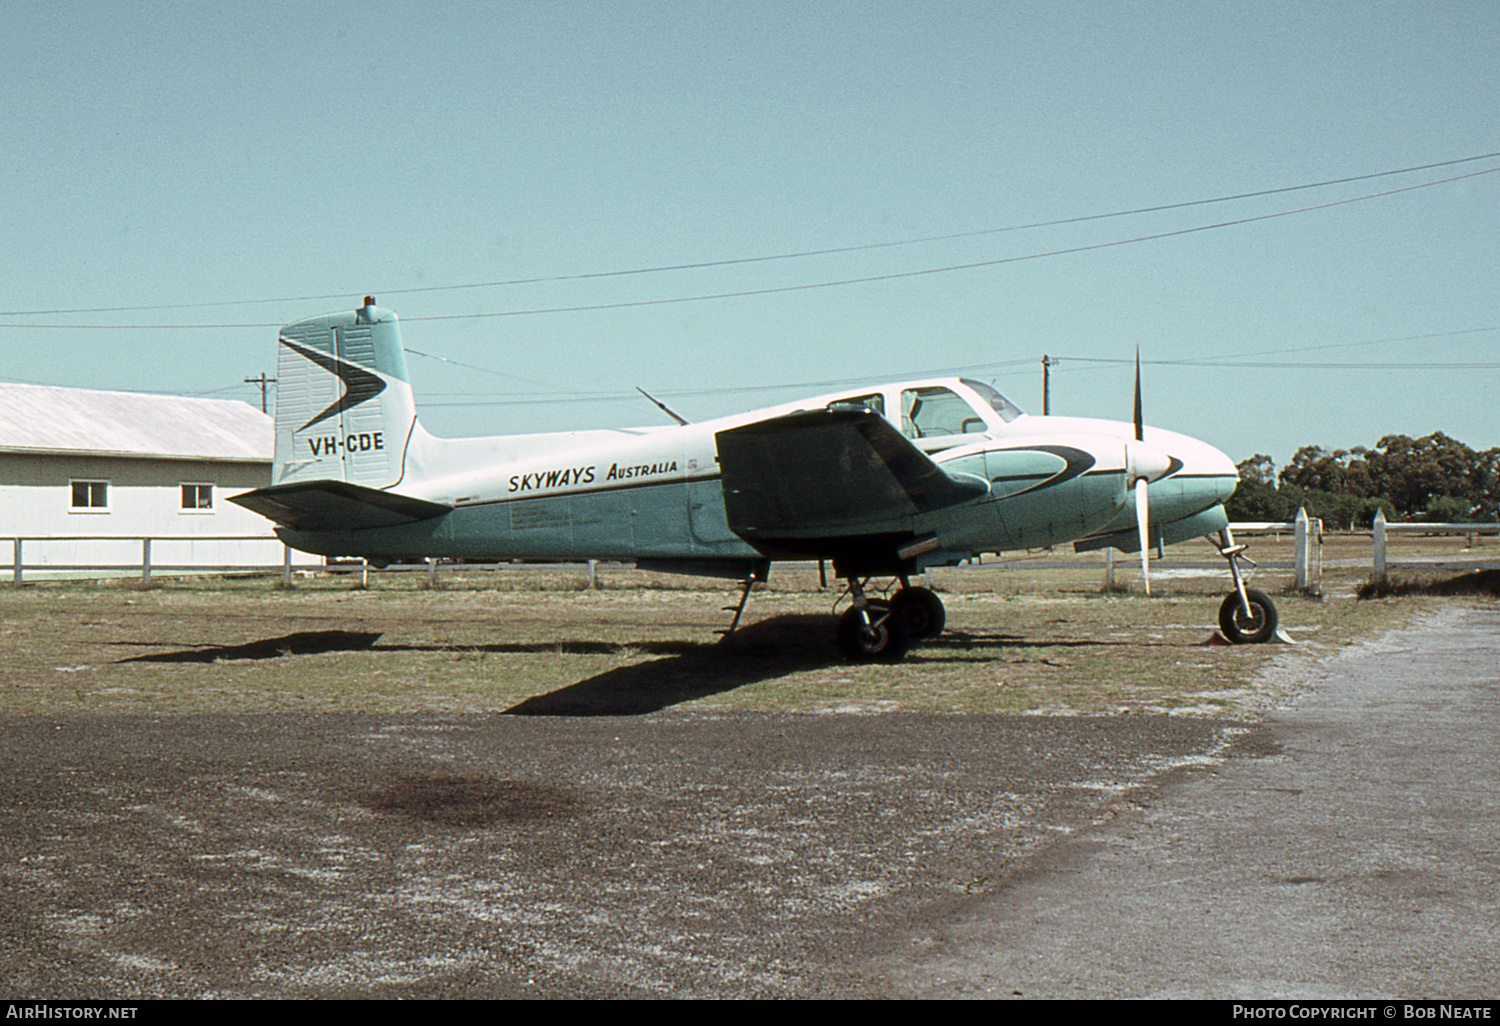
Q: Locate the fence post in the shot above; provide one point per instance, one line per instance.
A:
(1109, 568)
(16, 562)
(145, 560)
(1377, 560)
(286, 565)
(1300, 548)
(593, 583)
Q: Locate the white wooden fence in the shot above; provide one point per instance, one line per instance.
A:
(147, 565)
(1307, 548)
(1382, 530)
(1308, 540)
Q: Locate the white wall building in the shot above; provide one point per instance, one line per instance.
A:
(86, 476)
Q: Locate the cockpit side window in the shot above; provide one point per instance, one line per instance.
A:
(1008, 410)
(936, 411)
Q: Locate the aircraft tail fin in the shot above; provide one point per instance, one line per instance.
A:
(344, 405)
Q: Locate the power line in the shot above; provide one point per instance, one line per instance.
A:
(893, 276)
(689, 393)
(1235, 364)
(954, 267)
(701, 265)
(1225, 361)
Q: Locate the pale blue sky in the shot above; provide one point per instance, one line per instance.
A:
(167, 154)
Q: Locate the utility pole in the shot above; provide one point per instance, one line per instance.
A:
(262, 381)
(1047, 363)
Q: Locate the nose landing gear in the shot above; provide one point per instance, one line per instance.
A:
(1247, 616)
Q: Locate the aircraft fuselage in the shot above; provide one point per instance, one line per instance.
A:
(656, 494)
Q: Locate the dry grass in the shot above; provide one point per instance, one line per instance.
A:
(1026, 635)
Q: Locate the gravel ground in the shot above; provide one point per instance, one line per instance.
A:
(679, 853)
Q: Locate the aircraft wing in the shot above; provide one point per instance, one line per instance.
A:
(336, 505)
(815, 471)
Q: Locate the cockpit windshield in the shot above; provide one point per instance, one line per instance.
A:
(1008, 410)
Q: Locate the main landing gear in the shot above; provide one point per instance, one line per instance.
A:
(876, 630)
(1247, 616)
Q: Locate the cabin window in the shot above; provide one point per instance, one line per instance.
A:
(90, 496)
(936, 411)
(198, 498)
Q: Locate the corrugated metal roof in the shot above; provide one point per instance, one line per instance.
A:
(45, 418)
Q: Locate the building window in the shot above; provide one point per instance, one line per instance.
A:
(198, 498)
(91, 496)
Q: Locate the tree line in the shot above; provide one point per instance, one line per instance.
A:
(1435, 478)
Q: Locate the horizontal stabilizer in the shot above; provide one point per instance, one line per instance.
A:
(819, 469)
(336, 505)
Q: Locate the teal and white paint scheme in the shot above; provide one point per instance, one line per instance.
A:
(882, 481)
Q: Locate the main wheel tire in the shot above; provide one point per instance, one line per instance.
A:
(1259, 626)
(923, 610)
(884, 639)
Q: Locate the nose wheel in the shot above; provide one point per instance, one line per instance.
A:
(1247, 616)
(1247, 628)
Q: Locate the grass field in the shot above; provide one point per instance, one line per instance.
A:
(1036, 634)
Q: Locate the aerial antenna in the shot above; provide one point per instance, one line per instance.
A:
(663, 406)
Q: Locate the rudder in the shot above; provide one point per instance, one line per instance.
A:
(344, 405)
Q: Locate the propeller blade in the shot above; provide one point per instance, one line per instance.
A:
(1142, 507)
(1140, 419)
(1143, 526)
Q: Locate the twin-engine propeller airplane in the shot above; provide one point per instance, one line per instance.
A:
(884, 482)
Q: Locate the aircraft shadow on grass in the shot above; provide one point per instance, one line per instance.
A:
(681, 670)
(300, 643)
(762, 651)
(758, 652)
(684, 671)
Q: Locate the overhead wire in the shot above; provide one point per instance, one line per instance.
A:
(1240, 359)
(896, 275)
(1232, 361)
(790, 256)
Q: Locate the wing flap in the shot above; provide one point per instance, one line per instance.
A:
(817, 470)
(336, 505)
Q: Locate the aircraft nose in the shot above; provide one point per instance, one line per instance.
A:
(1144, 462)
(1221, 469)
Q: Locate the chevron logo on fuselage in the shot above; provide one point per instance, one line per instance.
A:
(1076, 461)
(359, 384)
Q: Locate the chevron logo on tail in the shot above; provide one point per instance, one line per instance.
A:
(359, 384)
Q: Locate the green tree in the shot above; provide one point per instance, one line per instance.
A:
(1257, 470)
(1447, 509)
(1412, 472)
(1257, 498)
(1435, 477)
(1340, 472)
